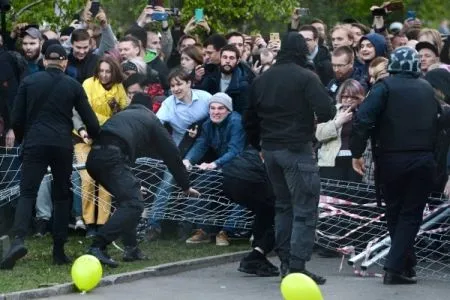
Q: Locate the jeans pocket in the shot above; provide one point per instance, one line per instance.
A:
(310, 178)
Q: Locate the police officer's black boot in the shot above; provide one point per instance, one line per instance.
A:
(59, 256)
(133, 253)
(16, 252)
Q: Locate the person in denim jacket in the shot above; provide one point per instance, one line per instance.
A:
(224, 134)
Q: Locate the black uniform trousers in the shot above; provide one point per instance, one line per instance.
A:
(111, 167)
(260, 199)
(406, 196)
(35, 162)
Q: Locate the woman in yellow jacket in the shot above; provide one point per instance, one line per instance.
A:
(107, 96)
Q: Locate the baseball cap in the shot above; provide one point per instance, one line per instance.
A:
(55, 52)
(33, 32)
(427, 45)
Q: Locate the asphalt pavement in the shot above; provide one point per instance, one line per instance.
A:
(223, 282)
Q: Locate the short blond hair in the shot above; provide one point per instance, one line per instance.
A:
(345, 27)
(435, 36)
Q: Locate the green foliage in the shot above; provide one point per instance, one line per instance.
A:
(44, 11)
(226, 15)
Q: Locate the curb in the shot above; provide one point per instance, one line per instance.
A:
(159, 270)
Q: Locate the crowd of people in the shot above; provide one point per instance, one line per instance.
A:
(352, 103)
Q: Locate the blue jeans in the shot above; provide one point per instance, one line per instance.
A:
(159, 206)
(204, 210)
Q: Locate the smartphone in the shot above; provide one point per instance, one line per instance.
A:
(160, 16)
(411, 14)
(378, 12)
(302, 11)
(199, 15)
(95, 7)
(274, 36)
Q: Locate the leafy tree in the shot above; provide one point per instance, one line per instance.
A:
(225, 15)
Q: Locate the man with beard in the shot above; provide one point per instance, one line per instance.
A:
(31, 47)
(229, 79)
(82, 61)
(342, 60)
(284, 104)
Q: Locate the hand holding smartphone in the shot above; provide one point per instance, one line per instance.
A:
(199, 16)
(95, 7)
(275, 36)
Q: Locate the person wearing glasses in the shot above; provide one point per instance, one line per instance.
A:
(334, 155)
(318, 55)
(342, 61)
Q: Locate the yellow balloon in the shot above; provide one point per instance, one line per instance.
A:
(86, 272)
(298, 286)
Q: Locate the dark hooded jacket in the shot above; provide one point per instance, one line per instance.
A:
(379, 42)
(284, 101)
(322, 65)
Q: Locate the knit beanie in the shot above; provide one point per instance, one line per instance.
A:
(223, 99)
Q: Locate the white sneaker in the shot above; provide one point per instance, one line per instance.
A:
(79, 224)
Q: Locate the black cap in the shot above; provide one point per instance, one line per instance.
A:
(427, 45)
(55, 52)
(47, 44)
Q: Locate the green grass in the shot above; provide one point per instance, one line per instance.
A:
(36, 269)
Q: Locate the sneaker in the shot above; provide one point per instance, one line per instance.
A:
(222, 239)
(199, 237)
(79, 224)
(153, 234)
(91, 231)
(260, 267)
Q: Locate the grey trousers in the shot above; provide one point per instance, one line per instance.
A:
(296, 183)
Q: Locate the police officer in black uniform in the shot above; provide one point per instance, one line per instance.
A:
(132, 133)
(42, 118)
(402, 115)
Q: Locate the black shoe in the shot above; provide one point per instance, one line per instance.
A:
(152, 234)
(133, 254)
(410, 272)
(91, 231)
(41, 228)
(260, 267)
(318, 279)
(284, 269)
(16, 252)
(61, 259)
(395, 278)
(102, 257)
